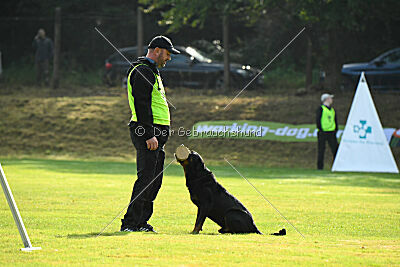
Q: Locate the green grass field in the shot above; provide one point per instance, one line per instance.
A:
(347, 219)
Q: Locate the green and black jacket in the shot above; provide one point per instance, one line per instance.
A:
(147, 96)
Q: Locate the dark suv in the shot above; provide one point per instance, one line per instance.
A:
(382, 73)
(187, 69)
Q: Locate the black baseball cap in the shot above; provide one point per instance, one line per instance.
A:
(163, 42)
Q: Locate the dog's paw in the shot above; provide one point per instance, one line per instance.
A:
(196, 230)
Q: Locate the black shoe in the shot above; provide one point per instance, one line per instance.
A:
(143, 228)
(123, 226)
(147, 228)
(130, 229)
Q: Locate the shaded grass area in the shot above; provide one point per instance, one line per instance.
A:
(347, 219)
(91, 122)
(21, 75)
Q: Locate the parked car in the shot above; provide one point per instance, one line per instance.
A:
(190, 68)
(382, 73)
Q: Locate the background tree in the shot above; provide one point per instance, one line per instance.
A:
(343, 29)
(338, 32)
(176, 14)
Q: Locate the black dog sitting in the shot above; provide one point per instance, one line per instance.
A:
(213, 201)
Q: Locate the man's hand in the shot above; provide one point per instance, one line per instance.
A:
(152, 143)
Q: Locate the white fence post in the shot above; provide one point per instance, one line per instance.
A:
(15, 213)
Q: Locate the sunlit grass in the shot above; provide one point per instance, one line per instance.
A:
(349, 219)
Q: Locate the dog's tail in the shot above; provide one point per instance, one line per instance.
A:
(281, 232)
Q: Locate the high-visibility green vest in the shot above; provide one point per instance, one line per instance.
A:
(159, 105)
(328, 119)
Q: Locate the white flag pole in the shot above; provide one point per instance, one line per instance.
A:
(15, 213)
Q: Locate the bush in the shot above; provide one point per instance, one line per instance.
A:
(284, 78)
(24, 73)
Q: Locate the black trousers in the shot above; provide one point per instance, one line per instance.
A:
(323, 137)
(150, 164)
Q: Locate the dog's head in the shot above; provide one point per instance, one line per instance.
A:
(193, 166)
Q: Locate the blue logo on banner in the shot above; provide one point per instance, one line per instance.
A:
(362, 129)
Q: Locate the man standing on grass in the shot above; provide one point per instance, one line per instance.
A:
(149, 130)
(327, 128)
(43, 54)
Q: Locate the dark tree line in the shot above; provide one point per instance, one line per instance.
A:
(337, 31)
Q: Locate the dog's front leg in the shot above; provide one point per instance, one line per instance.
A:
(204, 207)
(200, 219)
